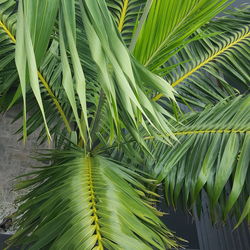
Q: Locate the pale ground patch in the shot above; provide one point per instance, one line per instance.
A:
(14, 161)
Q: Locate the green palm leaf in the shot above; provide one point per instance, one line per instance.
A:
(95, 204)
(213, 153)
(33, 35)
(168, 24)
(209, 66)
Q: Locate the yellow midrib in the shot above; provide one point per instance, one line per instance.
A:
(93, 203)
(157, 97)
(123, 15)
(220, 131)
(43, 81)
(211, 131)
(8, 32)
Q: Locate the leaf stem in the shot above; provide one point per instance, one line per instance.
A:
(123, 15)
(93, 203)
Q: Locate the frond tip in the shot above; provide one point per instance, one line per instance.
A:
(88, 203)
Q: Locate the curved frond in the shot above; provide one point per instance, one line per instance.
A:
(126, 14)
(213, 155)
(215, 66)
(88, 203)
(168, 24)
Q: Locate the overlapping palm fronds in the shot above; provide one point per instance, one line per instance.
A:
(123, 80)
(81, 84)
(215, 66)
(213, 155)
(13, 93)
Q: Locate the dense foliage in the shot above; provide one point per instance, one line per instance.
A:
(134, 96)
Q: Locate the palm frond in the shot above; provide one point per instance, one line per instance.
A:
(8, 73)
(52, 93)
(33, 35)
(122, 79)
(10, 87)
(215, 66)
(213, 154)
(57, 109)
(126, 14)
(130, 96)
(168, 24)
(95, 204)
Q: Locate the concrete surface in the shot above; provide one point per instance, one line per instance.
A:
(14, 161)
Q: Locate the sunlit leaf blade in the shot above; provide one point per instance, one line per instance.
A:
(168, 24)
(25, 54)
(68, 17)
(68, 85)
(21, 62)
(94, 204)
(40, 22)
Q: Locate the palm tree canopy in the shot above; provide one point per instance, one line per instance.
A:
(133, 94)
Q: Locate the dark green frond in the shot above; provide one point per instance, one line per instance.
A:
(8, 73)
(213, 154)
(88, 203)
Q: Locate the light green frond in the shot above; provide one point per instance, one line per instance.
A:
(95, 204)
(33, 34)
(168, 24)
(213, 155)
